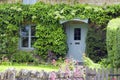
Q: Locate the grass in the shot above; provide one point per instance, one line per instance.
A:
(47, 68)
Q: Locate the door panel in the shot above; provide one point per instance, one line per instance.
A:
(76, 35)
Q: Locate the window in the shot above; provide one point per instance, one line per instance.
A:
(29, 1)
(77, 34)
(27, 37)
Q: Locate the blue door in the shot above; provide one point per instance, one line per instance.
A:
(76, 37)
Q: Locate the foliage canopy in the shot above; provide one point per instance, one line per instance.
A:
(47, 17)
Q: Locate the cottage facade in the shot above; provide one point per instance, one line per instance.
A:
(75, 29)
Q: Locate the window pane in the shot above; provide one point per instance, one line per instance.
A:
(32, 1)
(32, 30)
(29, 1)
(25, 31)
(25, 1)
(77, 33)
(24, 41)
(28, 36)
(33, 39)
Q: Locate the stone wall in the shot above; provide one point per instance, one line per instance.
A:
(13, 74)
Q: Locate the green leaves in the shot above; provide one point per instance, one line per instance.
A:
(95, 43)
(12, 27)
(50, 38)
(58, 15)
(113, 42)
(49, 33)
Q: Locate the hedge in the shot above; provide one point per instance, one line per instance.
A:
(113, 42)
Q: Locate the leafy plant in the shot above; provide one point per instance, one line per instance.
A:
(69, 68)
(89, 63)
(50, 38)
(22, 57)
(96, 46)
(113, 42)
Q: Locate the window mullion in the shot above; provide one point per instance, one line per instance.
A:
(29, 36)
(20, 42)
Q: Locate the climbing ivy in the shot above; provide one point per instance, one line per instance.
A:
(49, 33)
(51, 39)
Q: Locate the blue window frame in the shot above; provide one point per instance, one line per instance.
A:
(29, 1)
(27, 37)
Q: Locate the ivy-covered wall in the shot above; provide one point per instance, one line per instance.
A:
(50, 38)
(50, 34)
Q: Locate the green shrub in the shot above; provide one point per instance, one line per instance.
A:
(105, 63)
(113, 42)
(89, 63)
(95, 43)
(6, 63)
(50, 38)
(22, 57)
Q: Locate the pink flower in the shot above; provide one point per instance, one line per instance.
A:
(67, 61)
(54, 62)
(78, 79)
(52, 76)
(77, 72)
(113, 78)
(67, 71)
(77, 63)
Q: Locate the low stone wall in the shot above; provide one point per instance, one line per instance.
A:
(13, 74)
